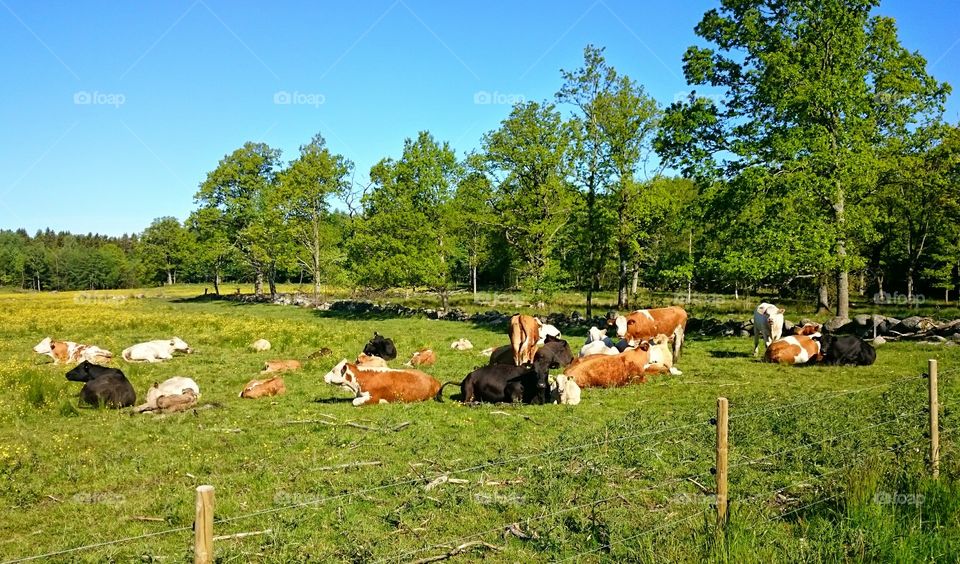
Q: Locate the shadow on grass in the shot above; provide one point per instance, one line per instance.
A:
(729, 354)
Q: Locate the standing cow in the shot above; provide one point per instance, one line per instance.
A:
(645, 324)
(524, 335)
(767, 323)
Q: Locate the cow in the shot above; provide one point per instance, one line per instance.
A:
(555, 352)
(103, 385)
(524, 335)
(846, 349)
(598, 348)
(502, 383)
(502, 355)
(767, 323)
(794, 349)
(380, 346)
(423, 357)
(596, 334)
(661, 356)
(169, 387)
(547, 330)
(370, 361)
(68, 352)
(280, 366)
(155, 351)
(461, 344)
(260, 345)
(263, 388)
(611, 371)
(648, 323)
(565, 391)
(806, 329)
(323, 352)
(177, 402)
(382, 385)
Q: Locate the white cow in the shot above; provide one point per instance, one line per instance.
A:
(155, 351)
(547, 329)
(566, 391)
(169, 387)
(599, 347)
(461, 344)
(661, 355)
(768, 322)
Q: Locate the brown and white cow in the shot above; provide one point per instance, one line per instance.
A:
(603, 371)
(661, 356)
(264, 388)
(795, 349)
(280, 366)
(370, 361)
(382, 385)
(645, 324)
(423, 357)
(806, 329)
(68, 352)
(524, 335)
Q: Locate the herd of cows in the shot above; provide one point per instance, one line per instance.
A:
(648, 341)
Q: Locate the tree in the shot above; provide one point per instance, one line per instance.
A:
(303, 199)
(528, 162)
(811, 88)
(235, 197)
(472, 200)
(164, 247)
(407, 235)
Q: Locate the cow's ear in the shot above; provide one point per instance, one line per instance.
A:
(631, 321)
(781, 310)
(344, 369)
(644, 346)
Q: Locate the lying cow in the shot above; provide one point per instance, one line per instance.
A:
(611, 371)
(547, 330)
(846, 349)
(382, 385)
(155, 351)
(768, 324)
(264, 388)
(380, 346)
(280, 366)
(646, 324)
(565, 391)
(795, 349)
(370, 361)
(177, 402)
(524, 335)
(68, 352)
(103, 385)
(661, 356)
(502, 383)
(461, 344)
(806, 329)
(598, 348)
(260, 345)
(423, 357)
(555, 352)
(177, 385)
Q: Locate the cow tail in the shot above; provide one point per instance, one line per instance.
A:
(439, 396)
(677, 342)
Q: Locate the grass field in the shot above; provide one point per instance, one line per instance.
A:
(826, 464)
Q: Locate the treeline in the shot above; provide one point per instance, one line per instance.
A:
(823, 167)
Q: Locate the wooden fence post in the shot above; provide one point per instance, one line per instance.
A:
(203, 526)
(722, 426)
(934, 417)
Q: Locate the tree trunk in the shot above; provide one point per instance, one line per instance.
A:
(473, 278)
(622, 275)
(444, 300)
(843, 274)
(216, 281)
(843, 293)
(634, 284)
(909, 286)
(590, 299)
(258, 282)
(823, 296)
(272, 281)
(169, 277)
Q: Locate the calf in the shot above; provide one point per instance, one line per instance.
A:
(502, 383)
(280, 366)
(795, 349)
(263, 388)
(423, 357)
(155, 351)
(380, 346)
(260, 345)
(555, 352)
(177, 385)
(596, 334)
(382, 385)
(68, 352)
(846, 349)
(661, 356)
(565, 391)
(611, 371)
(767, 323)
(524, 336)
(648, 323)
(103, 385)
(806, 329)
(370, 361)
(461, 345)
(177, 402)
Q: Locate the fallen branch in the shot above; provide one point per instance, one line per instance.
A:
(145, 518)
(242, 535)
(458, 550)
(702, 487)
(55, 498)
(350, 465)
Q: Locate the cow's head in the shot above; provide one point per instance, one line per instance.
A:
(807, 329)
(660, 339)
(566, 390)
(179, 345)
(81, 372)
(775, 323)
(44, 346)
(380, 346)
(595, 334)
(342, 375)
(620, 322)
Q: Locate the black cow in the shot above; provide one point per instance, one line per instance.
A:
(555, 351)
(503, 383)
(846, 349)
(380, 346)
(103, 385)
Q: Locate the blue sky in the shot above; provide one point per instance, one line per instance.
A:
(111, 113)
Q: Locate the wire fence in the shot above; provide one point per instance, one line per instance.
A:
(597, 442)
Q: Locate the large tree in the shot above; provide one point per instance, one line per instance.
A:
(164, 247)
(303, 197)
(528, 162)
(810, 89)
